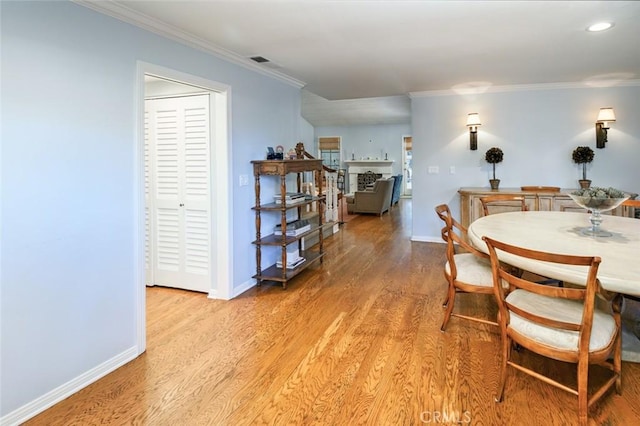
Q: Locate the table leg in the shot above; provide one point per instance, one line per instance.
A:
(630, 330)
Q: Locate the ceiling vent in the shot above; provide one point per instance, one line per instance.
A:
(259, 59)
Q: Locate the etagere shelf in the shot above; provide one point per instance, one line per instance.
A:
(281, 168)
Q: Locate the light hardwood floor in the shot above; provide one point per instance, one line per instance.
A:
(354, 341)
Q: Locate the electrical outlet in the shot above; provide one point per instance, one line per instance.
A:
(244, 180)
(434, 170)
(452, 170)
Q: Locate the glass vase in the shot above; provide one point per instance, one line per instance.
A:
(597, 206)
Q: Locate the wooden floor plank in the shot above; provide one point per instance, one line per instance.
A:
(355, 340)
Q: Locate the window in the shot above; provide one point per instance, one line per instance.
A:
(329, 148)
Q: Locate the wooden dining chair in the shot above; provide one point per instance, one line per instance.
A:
(467, 269)
(634, 205)
(540, 188)
(500, 203)
(558, 323)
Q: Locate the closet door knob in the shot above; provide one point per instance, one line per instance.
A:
(181, 205)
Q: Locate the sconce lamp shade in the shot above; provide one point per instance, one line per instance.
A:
(473, 120)
(605, 115)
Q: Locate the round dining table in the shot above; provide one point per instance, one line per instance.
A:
(561, 232)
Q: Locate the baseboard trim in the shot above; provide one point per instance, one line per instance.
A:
(49, 399)
(423, 239)
(237, 291)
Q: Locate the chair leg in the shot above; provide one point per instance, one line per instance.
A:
(451, 296)
(506, 355)
(583, 378)
(618, 372)
(446, 299)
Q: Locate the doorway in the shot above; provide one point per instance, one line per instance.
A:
(220, 282)
(178, 191)
(407, 184)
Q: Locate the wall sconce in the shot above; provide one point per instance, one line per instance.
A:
(473, 121)
(602, 125)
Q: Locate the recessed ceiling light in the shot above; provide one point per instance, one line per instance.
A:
(600, 26)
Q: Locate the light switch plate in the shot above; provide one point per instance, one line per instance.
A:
(434, 169)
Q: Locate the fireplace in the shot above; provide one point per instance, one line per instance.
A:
(380, 168)
(367, 179)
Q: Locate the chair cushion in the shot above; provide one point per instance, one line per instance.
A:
(472, 270)
(602, 332)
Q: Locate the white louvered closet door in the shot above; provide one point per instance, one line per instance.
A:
(177, 190)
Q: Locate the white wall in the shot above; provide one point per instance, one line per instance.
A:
(537, 129)
(68, 270)
(373, 140)
(306, 134)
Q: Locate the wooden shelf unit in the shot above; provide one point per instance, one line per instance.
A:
(281, 168)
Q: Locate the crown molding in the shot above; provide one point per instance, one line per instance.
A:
(125, 14)
(521, 88)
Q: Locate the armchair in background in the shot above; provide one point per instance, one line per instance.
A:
(377, 201)
(397, 188)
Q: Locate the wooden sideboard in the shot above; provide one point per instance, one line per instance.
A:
(471, 209)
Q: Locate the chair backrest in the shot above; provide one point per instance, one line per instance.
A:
(374, 186)
(500, 203)
(508, 254)
(454, 234)
(541, 188)
(397, 184)
(387, 186)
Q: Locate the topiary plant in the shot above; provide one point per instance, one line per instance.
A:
(493, 156)
(583, 155)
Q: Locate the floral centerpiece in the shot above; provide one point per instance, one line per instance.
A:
(598, 200)
(583, 155)
(493, 156)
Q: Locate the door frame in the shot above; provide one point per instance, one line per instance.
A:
(221, 215)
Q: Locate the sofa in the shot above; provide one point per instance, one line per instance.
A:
(376, 201)
(397, 189)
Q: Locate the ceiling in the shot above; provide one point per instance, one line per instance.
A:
(349, 52)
